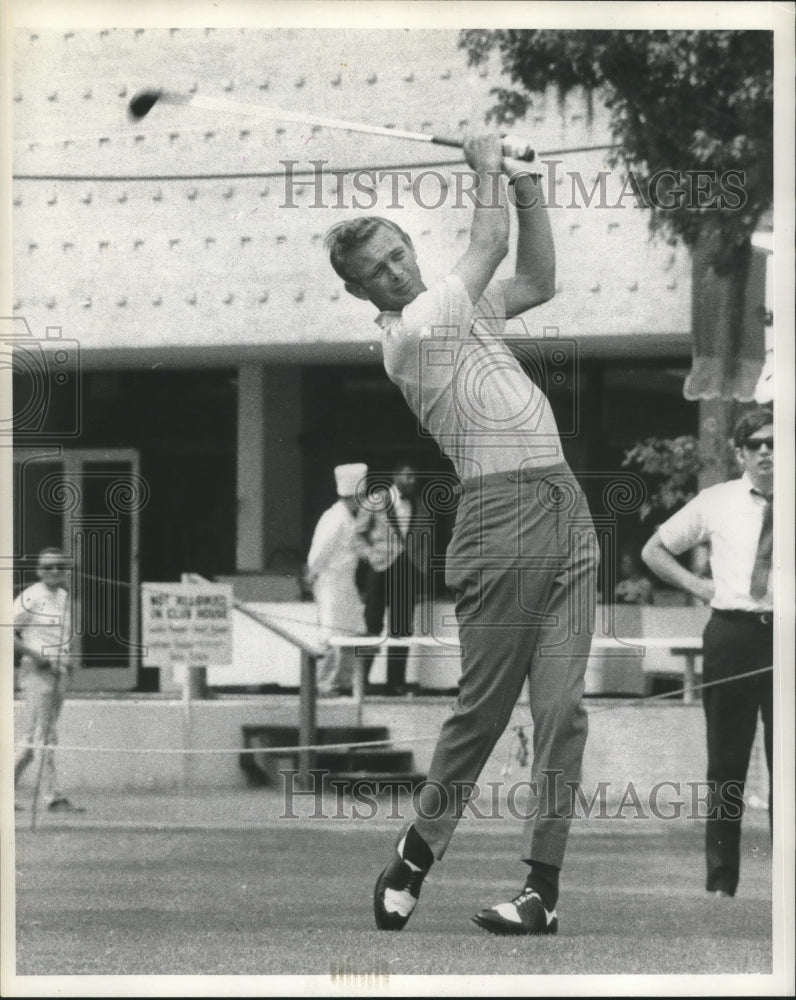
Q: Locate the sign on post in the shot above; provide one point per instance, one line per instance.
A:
(186, 624)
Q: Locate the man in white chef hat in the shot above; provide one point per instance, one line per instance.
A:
(331, 570)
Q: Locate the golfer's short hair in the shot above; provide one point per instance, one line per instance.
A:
(345, 237)
(751, 422)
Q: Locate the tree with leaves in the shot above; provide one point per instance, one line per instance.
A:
(679, 102)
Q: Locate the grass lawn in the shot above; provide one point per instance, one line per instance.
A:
(296, 899)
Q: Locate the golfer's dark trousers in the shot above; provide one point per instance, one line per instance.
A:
(734, 642)
(522, 563)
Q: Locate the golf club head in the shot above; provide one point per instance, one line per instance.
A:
(142, 103)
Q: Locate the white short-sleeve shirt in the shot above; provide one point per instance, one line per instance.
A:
(463, 383)
(41, 615)
(729, 516)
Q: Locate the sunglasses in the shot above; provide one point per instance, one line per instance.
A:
(755, 444)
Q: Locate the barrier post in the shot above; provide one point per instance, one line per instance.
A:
(194, 688)
(37, 787)
(689, 678)
(358, 685)
(194, 685)
(307, 717)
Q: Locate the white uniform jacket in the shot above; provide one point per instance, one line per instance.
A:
(331, 565)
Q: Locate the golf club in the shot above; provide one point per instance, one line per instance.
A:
(143, 102)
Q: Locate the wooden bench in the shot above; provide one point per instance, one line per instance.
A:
(688, 647)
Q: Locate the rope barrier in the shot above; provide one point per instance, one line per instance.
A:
(241, 606)
(243, 175)
(261, 174)
(370, 744)
(694, 687)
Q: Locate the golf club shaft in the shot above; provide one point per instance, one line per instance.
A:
(516, 148)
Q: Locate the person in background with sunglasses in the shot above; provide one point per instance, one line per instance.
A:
(736, 519)
(42, 630)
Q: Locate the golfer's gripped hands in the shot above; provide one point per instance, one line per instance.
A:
(484, 153)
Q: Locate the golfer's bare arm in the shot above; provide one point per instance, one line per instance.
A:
(664, 565)
(534, 280)
(489, 233)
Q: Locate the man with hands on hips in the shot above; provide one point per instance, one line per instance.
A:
(736, 518)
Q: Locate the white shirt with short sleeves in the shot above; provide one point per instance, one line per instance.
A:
(41, 616)
(464, 384)
(729, 516)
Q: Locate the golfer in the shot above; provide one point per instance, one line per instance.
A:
(523, 557)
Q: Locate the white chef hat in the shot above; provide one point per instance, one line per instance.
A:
(348, 478)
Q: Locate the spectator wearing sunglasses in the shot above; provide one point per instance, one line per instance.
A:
(42, 630)
(736, 520)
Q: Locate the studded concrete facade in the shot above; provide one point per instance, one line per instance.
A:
(184, 232)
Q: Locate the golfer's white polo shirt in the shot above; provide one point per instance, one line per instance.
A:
(465, 385)
(729, 516)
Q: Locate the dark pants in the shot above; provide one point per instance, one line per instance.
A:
(522, 563)
(733, 643)
(399, 589)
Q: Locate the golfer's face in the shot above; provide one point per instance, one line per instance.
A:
(385, 268)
